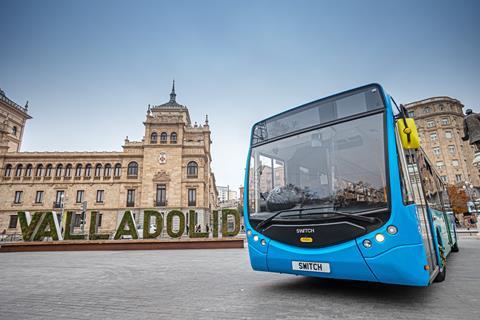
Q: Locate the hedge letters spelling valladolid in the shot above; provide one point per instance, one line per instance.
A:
(45, 225)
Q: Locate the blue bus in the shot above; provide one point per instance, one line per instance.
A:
(340, 188)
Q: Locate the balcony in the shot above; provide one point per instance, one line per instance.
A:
(160, 203)
(57, 205)
(130, 204)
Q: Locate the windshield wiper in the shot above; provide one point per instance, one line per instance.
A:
(340, 213)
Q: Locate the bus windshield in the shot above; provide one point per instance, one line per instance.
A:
(338, 166)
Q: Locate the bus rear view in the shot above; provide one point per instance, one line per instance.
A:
(324, 198)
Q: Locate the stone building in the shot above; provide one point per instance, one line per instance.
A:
(170, 168)
(440, 124)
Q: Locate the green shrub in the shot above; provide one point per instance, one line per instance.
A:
(68, 233)
(215, 223)
(236, 215)
(28, 227)
(92, 232)
(147, 215)
(127, 219)
(191, 227)
(48, 228)
(170, 216)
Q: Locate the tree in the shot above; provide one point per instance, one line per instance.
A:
(458, 199)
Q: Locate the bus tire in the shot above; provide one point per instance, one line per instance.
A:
(441, 275)
(455, 247)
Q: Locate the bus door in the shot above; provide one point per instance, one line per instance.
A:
(419, 171)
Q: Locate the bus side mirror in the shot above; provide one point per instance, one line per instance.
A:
(408, 133)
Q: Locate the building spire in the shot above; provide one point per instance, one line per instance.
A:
(172, 94)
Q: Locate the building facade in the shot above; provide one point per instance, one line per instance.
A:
(170, 168)
(440, 125)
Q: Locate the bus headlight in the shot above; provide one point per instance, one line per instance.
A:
(249, 232)
(255, 238)
(367, 243)
(392, 230)
(263, 242)
(379, 237)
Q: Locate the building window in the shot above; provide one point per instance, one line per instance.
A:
(80, 195)
(39, 197)
(78, 170)
(14, 130)
(444, 178)
(436, 151)
(161, 200)
(8, 170)
(59, 171)
(444, 121)
(88, 170)
(448, 134)
(39, 171)
(48, 170)
(427, 110)
(192, 169)
(18, 197)
(430, 124)
(451, 149)
(98, 170)
(173, 138)
(28, 170)
(163, 137)
(107, 172)
(440, 164)
(132, 169)
(458, 178)
(12, 224)
(59, 197)
(18, 171)
(131, 198)
(153, 137)
(433, 136)
(411, 114)
(117, 170)
(455, 163)
(68, 170)
(192, 197)
(100, 195)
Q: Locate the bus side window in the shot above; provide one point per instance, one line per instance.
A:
(403, 165)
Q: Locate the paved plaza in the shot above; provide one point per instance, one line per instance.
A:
(206, 284)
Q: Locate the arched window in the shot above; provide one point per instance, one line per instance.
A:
(173, 138)
(78, 170)
(8, 170)
(39, 171)
(18, 170)
(163, 137)
(98, 170)
(88, 170)
(117, 171)
(132, 169)
(59, 170)
(107, 172)
(28, 170)
(192, 169)
(48, 170)
(14, 130)
(153, 137)
(68, 170)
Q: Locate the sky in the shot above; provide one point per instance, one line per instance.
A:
(90, 68)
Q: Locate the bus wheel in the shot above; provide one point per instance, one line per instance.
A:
(455, 247)
(441, 275)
